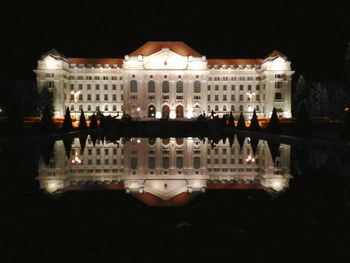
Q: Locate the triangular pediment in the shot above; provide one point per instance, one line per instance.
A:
(165, 59)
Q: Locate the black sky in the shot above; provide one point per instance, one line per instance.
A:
(313, 35)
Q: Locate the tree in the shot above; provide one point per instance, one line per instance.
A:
(67, 122)
(274, 125)
(254, 123)
(82, 121)
(299, 93)
(241, 122)
(303, 124)
(46, 124)
(46, 100)
(93, 122)
(231, 121)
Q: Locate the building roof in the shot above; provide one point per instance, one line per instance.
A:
(94, 61)
(212, 62)
(275, 54)
(54, 53)
(152, 47)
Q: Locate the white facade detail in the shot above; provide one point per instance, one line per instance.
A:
(169, 80)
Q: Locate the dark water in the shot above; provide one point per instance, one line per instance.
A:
(175, 199)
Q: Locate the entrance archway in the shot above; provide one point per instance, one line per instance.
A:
(179, 111)
(165, 111)
(151, 111)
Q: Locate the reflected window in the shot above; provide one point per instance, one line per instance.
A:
(165, 161)
(179, 162)
(151, 141)
(151, 86)
(196, 162)
(179, 141)
(133, 86)
(165, 141)
(72, 107)
(165, 87)
(89, 107)
(133, 162)
(151, 162)
(278, 96)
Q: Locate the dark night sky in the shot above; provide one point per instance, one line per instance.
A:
(313, 36)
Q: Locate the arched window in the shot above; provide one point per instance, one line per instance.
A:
(151, 86)
(106, 107)
(165, 141)
(71, 107)
(152, 141)
(179, 111)
(179, 87)
(114, 108)
(224, 108)
(97, 108)
(89, 108)
(133, 86)
(209, 109)
(133, 163)
(216, 108)
(165, 87)
(232, 108)
(241, 108)
(197, 87)
(257, 108)
(80, 107)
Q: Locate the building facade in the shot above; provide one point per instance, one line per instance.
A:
(166, 168)
(167, 79)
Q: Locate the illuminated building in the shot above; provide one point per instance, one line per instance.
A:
(167, 79)
(168, 171)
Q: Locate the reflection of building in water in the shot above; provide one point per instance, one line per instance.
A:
(167, 171)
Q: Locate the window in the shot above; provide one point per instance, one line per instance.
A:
(179, 87)
(257, 108)
(114, 97)
(80, 107)
(232, 108)
(97, 77)
(97, 97)
(224, 97)
(224, 87)
(165, 161)
(278, 85)
(240, 87)
(241, 108)
(97, 87)
(114, 108)
(106, 151)
(224, 108)
(89, 107)
(233, 98)
(257, 97)
(249, 87)
(106, 107)
(278, 96)
(257, 87)
(106, 87)
(114, 87)
(133, 163)
(179, 162)
(151, 162)
(88, 86)
(241, 97)
(196, 162)
(216, 87)
(72, 107)
(208, 87)
(233, 87)
(216, 108)
(106, 97)
(133, 86)
(197, 87)
(165, 87)
(216, 97)
(151, 86)
(208, 97)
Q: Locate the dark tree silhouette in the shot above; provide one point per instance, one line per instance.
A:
(82, 121)
(274, 124)
(231, 121)
(241, 122)
(303, 123)
(93, 122)
(67, 142)
(254, 123)
(347, 123)
(82, 141)
(67, 122)
(46, 124)
(102, 121)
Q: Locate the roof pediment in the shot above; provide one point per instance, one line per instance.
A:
(165, 59)
(152, 47)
